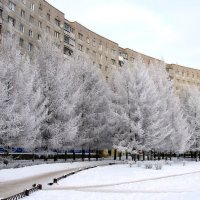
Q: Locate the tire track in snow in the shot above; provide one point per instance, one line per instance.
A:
(91, 187)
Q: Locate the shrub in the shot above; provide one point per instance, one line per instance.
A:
(169, 162)
(130, 163)
(139, 164)
(5, 162)
(55, 158)
(148, 165)
(17, 165)
(158, 165)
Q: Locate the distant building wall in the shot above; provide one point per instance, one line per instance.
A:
(33, 19)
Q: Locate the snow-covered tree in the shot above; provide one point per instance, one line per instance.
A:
(141, 108)
(10, 62)
(90, 104)
(190, 99)
(49, 61)
(173, 127)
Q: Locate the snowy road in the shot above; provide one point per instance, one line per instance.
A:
(13, 181)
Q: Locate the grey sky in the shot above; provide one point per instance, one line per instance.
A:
(165, 29)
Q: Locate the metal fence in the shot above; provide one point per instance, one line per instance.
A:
(25, 193)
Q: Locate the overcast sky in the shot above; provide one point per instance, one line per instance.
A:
(165, 29)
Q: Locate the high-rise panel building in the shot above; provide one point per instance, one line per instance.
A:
(33, 19)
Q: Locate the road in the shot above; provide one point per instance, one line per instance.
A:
(10, 188)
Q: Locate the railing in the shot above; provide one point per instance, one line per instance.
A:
(55, 180)
(25, 193)
(69, 34)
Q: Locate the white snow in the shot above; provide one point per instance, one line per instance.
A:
(120, 182)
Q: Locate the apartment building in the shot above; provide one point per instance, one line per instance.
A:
(32, 19)
(183, 76)
(102, 51)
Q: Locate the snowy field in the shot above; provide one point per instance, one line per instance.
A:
(121, 182)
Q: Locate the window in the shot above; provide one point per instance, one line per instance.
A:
(106, 50)
(100, 66)
(66, 39)
(87, 50)
(80, 36)
(30, 33)
(48, 17)
(100, 57)
(23, 13)
(94, 53)
(113, 52)
(56, 34)
(32, 6)
(100, 47)
(113, 61)
(57, 22)
(88, 40)
(106, 68)
(67, 28)
(30, 47)
(39, 37)
(11, 5)
(94, 43)
(11, 21)
(31, 19)
(48, 29)
(80, 47)
(21, 28)
(106, 78)
(1, 13)
(39, 24)
(40, 10)
(21, 42)
(132, 59)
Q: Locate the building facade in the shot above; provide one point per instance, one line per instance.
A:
(32, 19)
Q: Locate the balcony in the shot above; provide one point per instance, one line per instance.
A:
(69, 41)
(70, 34)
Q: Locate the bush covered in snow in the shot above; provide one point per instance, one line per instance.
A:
(130, 163)
(148, 165)
(158, 165)
(169, 162)
(139, 163)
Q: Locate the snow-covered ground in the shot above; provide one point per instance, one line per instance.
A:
(120, 182)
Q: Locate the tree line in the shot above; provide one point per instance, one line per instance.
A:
(49, 101)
